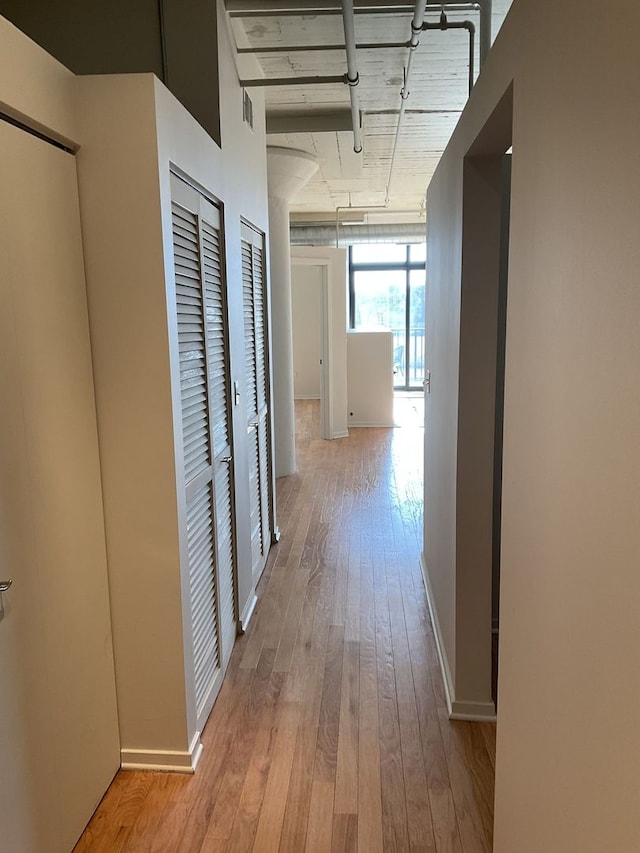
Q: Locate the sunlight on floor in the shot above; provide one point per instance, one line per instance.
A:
(408, 408)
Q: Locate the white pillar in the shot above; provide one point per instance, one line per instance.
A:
(288, 171)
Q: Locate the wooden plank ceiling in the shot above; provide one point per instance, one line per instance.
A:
(438, 93)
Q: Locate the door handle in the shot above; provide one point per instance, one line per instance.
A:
(4, 585)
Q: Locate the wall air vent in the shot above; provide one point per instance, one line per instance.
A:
(247, 108)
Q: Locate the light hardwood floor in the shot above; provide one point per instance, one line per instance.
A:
(330, 732)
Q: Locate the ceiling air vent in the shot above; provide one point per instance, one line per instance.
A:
(247, 108)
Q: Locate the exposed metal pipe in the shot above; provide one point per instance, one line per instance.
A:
(486, 11)
(472, 42)
(250, 8)
(291, 81)
(353, 78)
(286, 8)
(308, 48)
(282, 8)
(416, 31)
(443, 24)
(325, 235)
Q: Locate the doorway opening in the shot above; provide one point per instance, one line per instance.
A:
(503, 280)
(486, 200)
(387, 291)
(311, 357)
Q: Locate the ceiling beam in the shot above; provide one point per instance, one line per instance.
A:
(319, 121)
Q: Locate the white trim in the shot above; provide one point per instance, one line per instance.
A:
(158, 759)
(248, 613)
(307, 397)
(444, 664)
(456, 710)
(386, 424)
(343, 434)
(484, 712)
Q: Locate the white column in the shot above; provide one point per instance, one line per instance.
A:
(288, 171)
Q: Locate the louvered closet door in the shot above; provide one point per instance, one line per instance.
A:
(257, 391)
(206, 431)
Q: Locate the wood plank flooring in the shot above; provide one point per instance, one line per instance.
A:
(330, 732)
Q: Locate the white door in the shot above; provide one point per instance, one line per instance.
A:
(206, 435)
(59, 745)
(257, 393)
(306, 314)
(311, 356)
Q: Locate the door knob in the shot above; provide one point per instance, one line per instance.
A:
(4, 585)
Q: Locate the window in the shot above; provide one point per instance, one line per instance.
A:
(387, 291)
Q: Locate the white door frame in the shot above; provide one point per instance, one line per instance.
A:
(326, 385)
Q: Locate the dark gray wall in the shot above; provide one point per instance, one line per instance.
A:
(93, 37)
(502, 331)
(174, 39)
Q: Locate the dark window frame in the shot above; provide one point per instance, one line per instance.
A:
(407, 266)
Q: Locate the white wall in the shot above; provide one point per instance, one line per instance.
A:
(133, 129)
(334, 262)
(35, 88)
(307, 317)
(370, 378)
(566, 773)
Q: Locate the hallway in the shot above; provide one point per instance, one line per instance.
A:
(330, 732)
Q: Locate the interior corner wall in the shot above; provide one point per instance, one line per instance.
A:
(480, 279)
(566, 774)
(123, 245)
(335, 261)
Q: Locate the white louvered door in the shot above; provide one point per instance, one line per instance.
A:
(257, 392)
(206, 436)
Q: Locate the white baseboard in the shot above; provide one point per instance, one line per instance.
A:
(306, 397)
(159, 759)
(457, 710)
(248, 613)
(386, 424)
(442, 657)
(342, 434)
(479, 712)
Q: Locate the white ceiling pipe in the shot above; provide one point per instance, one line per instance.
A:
(275, 8)
(417, 25)
(352, 71)
(272, 8)
(416, 32)
(486, 9)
